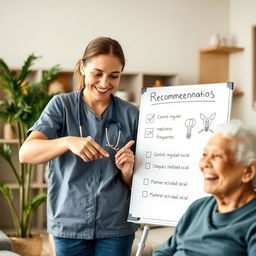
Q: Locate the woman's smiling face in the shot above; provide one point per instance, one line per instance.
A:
(102, 76)
(222, 174)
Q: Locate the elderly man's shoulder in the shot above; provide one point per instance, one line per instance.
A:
(197, 211)
(202, 202)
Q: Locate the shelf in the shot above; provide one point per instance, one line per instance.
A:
(221, 49)
(11, 141)
(133, 82)
(165, 79)
(214, 64)
(238, 92)
(34, 185)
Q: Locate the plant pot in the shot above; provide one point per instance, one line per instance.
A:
(27, 246)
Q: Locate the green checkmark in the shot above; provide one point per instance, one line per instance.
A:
(150, 117)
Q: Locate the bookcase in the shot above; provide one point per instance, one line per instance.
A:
(131, 82)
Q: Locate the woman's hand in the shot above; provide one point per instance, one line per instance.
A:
(124, 160)
(39, 149)
(86, 148)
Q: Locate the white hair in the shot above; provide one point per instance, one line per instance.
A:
(244, 137)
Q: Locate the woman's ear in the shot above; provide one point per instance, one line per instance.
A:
(249, 173)
(81, 67)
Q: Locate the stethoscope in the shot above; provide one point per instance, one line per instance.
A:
(107, 123)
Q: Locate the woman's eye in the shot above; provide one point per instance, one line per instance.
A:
(97, 74)
(114, 76)
(218, 156)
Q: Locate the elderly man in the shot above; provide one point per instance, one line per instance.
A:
(224, 223)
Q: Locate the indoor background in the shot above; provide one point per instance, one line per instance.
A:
(157, 36)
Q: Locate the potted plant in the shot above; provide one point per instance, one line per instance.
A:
(22, 105)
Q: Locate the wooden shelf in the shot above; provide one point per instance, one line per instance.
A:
(214, 64)
(221, 49)
(34, 185)
(238, 92)
(11, 141)
(133, 82)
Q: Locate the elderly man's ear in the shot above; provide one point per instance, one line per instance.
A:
(249, 173)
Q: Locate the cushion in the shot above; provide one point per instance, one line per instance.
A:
(5, 242)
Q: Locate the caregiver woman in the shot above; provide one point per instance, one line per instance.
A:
(89, 181)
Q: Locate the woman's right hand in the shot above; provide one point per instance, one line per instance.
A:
(86, 148)
(39, 149)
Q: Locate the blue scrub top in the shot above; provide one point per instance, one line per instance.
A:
(87, 200)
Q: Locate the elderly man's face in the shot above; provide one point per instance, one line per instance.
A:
(222, 174)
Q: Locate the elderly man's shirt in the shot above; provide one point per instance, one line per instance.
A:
(202, 231)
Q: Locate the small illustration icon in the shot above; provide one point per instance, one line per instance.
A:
(207, 122)
(189, 123)
(149, 132)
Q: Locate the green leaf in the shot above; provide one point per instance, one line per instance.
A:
(6, 73)
(6, 154)
(25, 68)
(8, 195)
(6, 191)
(36, 201)
(49, 75)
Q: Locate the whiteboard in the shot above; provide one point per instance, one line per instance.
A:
(175, 123)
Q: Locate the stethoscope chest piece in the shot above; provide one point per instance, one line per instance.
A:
(119, 128)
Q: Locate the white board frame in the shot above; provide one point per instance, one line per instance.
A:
(172, 132)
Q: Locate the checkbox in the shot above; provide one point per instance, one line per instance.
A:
(147, 165)
(150, 118)
(148, 154)
(145, 181)
(144, 193)
(149, 132)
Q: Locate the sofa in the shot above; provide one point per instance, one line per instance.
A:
(6, 245)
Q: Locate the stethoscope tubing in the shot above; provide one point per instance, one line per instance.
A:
(106, 124)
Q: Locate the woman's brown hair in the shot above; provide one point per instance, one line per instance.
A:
(100, 45)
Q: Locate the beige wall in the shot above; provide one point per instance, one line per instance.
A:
(242, 18)
(160, 36)
(157, 35)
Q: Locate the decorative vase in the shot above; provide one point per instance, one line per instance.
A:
(27, 246)
(55, 87)
(9, 133)
(215, 40)
(122, 95)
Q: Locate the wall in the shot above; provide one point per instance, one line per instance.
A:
(160, 36)
(242, 18)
